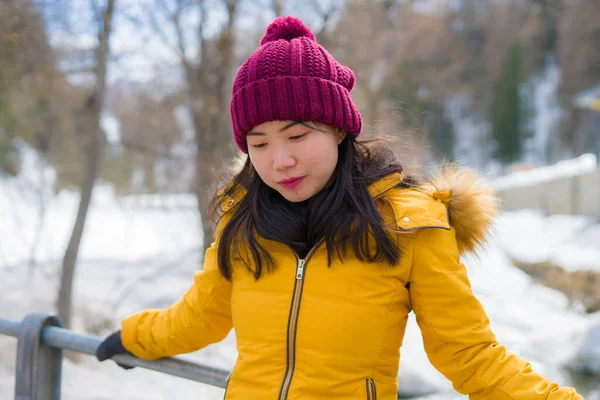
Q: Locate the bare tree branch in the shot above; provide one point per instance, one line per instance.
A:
(80, 70)
(226, 42)
(181, 45)
(129, 288)
(276, 4)
(201, 39)
(96, 13)
(147, 149)
(325, 14)
(157, 26)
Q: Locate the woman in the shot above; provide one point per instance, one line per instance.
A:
(323, 247)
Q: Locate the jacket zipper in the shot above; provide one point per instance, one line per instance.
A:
(293, 322)
(371, 390)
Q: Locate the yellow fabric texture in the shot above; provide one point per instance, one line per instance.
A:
(351, 318)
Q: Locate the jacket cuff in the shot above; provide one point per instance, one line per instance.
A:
(129, 335)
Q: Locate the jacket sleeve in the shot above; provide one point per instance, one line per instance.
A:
(201, 317)
(456, 330)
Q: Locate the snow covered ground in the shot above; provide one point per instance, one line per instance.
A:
(142, 252)
(572, 242)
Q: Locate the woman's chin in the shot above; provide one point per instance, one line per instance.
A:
(304, 190)
(294, 196)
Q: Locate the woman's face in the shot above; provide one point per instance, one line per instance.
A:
(295, 158)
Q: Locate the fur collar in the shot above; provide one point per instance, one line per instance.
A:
(471, 205)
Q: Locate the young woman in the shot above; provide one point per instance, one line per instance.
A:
(323, 247)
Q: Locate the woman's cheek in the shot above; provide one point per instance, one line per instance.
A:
(312, 153)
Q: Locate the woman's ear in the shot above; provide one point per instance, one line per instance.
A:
(341, 134)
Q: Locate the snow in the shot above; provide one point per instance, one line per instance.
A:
(587, 358)
(130, 243)
(127, 229)
(571, 242)
(547, 109)
(472, 135)
(111, 128)
(562, 169)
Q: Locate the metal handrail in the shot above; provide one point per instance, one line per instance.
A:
(39, 357)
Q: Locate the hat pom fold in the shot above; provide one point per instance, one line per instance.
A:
(286, 28)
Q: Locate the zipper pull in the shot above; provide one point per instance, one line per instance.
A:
(300, 269)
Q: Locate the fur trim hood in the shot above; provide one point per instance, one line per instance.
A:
(453, 196)
(471, 204)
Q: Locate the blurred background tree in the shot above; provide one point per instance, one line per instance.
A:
(452, 80)
(30, 85)
(506, 107)
(135, 93)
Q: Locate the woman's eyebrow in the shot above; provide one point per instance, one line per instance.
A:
(286, 127)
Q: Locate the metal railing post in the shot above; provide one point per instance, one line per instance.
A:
(39, 358)
(38, 372)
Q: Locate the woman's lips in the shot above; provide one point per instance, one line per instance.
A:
(290, 184)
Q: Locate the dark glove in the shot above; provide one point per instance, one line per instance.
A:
(110, 346)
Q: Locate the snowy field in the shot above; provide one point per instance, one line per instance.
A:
(142, 252)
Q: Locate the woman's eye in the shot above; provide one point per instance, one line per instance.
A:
(298, 137)
(259, 146)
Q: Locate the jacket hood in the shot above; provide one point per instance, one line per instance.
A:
(471, 204)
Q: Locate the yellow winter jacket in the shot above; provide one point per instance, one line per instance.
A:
(307, 331)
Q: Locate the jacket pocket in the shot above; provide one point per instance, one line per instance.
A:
(371, 389)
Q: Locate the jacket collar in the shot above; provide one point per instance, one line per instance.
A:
(376, 189)
(454, 196)
(386, 183)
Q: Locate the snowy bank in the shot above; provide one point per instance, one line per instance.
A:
(563, 169)
(568, 187)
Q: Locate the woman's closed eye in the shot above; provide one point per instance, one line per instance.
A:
(298, 137)
(294, 138)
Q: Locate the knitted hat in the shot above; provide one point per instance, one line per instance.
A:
(291, 77)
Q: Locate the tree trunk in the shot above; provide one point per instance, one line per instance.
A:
(211, 82)
(92, 167)
(204, 182)
(93, 147)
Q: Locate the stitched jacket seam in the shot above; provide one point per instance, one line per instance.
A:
(387, 314)
(424, 313)
(195, 312)
(431, 327)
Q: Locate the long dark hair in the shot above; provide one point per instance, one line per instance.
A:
(344, 215)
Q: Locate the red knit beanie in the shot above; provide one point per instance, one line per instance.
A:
(291, 77)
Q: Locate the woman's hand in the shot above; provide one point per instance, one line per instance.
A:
(111, 346)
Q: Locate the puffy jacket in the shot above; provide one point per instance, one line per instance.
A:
(308, 331)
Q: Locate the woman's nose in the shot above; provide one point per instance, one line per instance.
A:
(283, 159)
